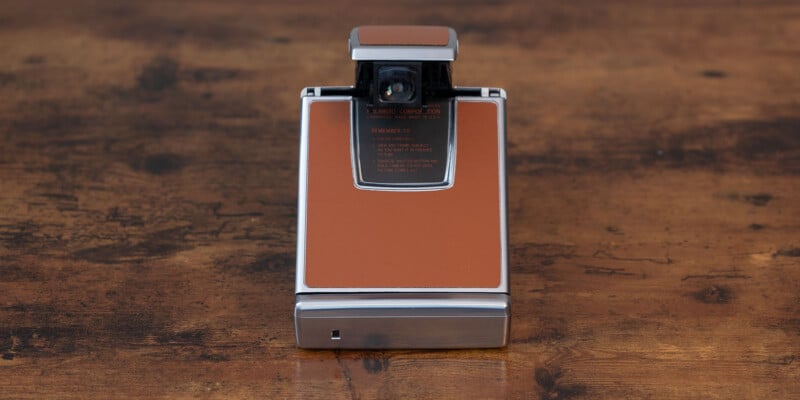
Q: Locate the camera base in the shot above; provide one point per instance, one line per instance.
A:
(402, 320)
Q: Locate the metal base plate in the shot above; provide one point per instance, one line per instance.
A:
(402, 320)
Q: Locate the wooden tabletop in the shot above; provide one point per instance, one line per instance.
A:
(148, 168)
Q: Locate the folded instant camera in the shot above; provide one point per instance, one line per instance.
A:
(401, 237)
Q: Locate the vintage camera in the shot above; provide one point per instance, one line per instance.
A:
(402, 238)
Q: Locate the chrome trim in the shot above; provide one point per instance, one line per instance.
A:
(402, 321)
(498, 96)
(302, 179)
(360, 52)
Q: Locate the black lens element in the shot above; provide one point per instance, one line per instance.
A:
(397, 84)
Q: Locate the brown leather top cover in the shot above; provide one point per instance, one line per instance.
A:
(403, 35)
(378, 239)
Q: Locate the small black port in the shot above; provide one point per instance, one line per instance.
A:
(335, 335)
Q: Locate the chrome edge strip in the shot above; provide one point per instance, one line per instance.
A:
(448, 52)
(308, 96)
(498, 96)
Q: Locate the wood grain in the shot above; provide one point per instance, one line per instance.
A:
(148, 155)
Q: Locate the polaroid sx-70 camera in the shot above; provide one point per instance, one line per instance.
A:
(401, 237)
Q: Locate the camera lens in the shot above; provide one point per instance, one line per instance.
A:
(396, 84)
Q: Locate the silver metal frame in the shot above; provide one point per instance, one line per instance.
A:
(445, 317)
(359, 52)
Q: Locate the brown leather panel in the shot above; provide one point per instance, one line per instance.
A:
(359, 238)
(403, 35)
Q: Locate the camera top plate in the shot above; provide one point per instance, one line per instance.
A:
(403, 43)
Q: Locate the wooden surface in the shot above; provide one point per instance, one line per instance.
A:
(148, 156)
